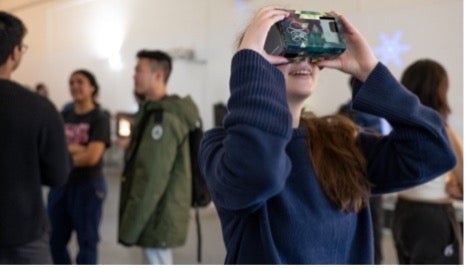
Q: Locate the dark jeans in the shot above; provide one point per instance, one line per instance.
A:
(35, 252)
(377, 218)
(426, 233)
(78, 207)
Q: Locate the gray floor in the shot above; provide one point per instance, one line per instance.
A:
(113, 253)
(110, 252)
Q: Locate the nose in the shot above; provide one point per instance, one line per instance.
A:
(308, 60)
(300, 59)
(311, 61)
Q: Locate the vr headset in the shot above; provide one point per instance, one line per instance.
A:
(306, 34)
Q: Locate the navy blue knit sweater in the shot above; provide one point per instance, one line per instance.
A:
(258, 169)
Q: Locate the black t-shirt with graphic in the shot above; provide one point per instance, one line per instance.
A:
(83, 129)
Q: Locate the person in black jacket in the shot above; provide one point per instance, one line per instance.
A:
(33, 153)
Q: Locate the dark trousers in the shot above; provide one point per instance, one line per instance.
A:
(76, 207)
(426, 233)
(377, 219)
(35, 252)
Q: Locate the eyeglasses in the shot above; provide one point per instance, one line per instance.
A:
(24, 48)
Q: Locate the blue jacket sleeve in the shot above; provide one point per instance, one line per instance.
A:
(245, 163)
(416, 151)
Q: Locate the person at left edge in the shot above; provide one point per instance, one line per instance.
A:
(77, 206)
(33, 153)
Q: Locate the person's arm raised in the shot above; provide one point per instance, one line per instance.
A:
(257, 31)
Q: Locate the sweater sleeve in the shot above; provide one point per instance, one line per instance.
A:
(416, 151)
(245, 163)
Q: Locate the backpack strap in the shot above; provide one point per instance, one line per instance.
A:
(158, 116)
(199, 237)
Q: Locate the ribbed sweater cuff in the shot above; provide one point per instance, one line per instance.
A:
(258, 96)
(382, 95)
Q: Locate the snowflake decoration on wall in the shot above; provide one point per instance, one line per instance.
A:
(390, 49)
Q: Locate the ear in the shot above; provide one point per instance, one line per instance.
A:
(15, 54)
(14, 58)
(159, 76)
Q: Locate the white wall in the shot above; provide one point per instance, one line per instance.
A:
(68, 34)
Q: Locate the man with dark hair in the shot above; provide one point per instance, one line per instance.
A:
(33, 154)
(157, 60)
(156, 187)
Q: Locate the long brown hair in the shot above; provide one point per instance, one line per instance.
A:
(429, 81)
(339, 164)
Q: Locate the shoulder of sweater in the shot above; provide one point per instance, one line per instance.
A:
(26, 95)
(38, 104)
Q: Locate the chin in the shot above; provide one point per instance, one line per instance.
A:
(299, 96)
(138, 90)
(303, 91)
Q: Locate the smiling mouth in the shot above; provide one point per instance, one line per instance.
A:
(300, 73)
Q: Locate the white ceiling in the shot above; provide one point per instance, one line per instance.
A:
(17, 5)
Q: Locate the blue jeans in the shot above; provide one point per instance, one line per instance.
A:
(76, 207)
(161, 256)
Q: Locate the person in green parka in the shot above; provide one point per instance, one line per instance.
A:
(156, 183)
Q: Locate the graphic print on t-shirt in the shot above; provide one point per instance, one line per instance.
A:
(77, 133)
